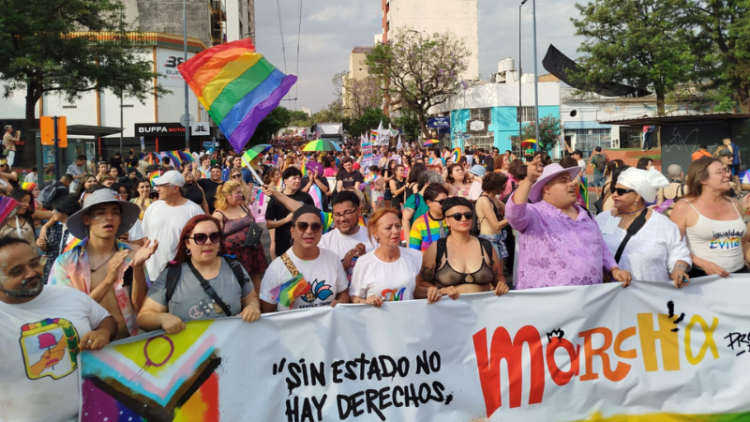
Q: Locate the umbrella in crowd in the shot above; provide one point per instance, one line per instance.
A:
(250, 155)
(529, 143)
(431, 142)
(321, 145)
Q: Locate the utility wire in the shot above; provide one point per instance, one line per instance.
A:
(281, 31)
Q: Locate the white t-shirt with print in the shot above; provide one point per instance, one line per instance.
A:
(392, 281)
(38, 369)
(340, 244)
(325, 275)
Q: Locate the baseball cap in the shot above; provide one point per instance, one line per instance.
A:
(725, 153)
(171, 177)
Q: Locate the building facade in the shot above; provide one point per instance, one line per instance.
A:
(459, 17)
(487, 114)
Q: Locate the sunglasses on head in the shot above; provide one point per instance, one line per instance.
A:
(457, 216)
(200, 238)
(315, 227)
(621, 191)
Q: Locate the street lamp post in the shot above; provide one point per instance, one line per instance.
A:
(536, 77)
(520, 75)
(184, 56)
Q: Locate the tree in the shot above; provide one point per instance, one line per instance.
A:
(549, 132)
(40, 51)
(721, 44)
(361, 95)
(639, 42)
(408, 123)
(276, 120)
(370, 119)
(420, 71)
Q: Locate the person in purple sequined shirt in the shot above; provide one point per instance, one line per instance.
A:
(560, 244)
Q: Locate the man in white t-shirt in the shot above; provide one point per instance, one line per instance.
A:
(43, 329)
(165, 218)
(347, 240)
(320, 269)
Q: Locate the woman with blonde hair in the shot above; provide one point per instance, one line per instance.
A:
(388, 273)
(289, 161)
(237, 223)
(235, 175)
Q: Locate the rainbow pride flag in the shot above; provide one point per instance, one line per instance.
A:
(582, 195)
(7, 208)
(327, 219)
(237, 86)
(290, 290)
(152, 176)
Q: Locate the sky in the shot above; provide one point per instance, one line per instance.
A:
(331, 28)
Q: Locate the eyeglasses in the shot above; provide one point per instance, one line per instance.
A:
(457, 216)
(239, 195)
(440, 201)
(200, 238)
(621, 191)
(346, 214)
(237, 176)
(315, 227)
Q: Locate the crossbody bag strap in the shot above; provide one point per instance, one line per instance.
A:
(209, 290)
(289, 265)
(635, 226)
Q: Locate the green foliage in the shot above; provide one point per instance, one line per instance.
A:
(40, 51)
(370, 119)
(643, 43)
(409, 123)
(278, 119)
(419, 70)
(549, 132)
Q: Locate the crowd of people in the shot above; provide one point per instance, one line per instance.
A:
(116, 253)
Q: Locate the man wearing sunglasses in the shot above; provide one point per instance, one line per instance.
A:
(319, 268)
(164, 219)
(347, 240)
(560, 243)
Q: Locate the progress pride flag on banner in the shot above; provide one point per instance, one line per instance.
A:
(558, 354)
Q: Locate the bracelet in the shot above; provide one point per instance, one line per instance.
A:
(684, 268)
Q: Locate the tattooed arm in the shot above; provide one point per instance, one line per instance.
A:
(426, 276)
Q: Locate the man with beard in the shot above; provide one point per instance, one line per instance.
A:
(43, 329)
(348, 240)
(211, 186)
(101, 265)
(279, 215)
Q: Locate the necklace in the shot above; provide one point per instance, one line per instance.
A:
(631, 212)
(102, 264)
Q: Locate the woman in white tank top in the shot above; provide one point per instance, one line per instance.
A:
(716, 232)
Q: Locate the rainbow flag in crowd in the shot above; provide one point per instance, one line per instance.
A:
(327, 219)
(72, 243)
(582, 196)
(290, 290)
(237, 86)
(153, 175)
(174, 157)
(370, 177)
(7, 207)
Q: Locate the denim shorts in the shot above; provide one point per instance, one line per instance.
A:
(498, 243)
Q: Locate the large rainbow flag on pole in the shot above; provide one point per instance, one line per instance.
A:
(237, 86)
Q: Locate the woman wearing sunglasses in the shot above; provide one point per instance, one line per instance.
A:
(235, 219)
(388, 273)
(206, 284)
(656, 251)
(235, 175)
(305, 264)
(459, 263)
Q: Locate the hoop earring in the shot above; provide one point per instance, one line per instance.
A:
(187, 252)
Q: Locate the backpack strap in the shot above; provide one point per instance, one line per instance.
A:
(173, 274)
(236, 267)
(635, 226)
(209, 289)
(442, 250)
(487, 246)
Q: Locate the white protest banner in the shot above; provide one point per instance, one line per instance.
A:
(650, 352)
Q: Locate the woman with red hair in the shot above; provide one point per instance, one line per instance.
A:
(199, 283)
(389, 273)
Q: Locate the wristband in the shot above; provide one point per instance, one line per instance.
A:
(684, 268)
